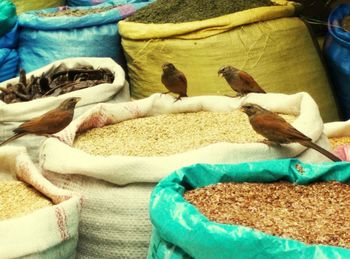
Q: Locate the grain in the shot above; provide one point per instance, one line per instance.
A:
(169, 134)
(315, 214)
(76, 12)
(18, 199)
(338, 141)
(177, 11)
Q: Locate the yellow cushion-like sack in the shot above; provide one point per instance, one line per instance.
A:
(275, 48)
(29, 5)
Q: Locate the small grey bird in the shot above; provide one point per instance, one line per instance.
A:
(174, 80)
(240, 81)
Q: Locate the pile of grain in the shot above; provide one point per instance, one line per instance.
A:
(338, 141)
(18, 199)
(315, 214)
(169, 134)
(177, 11)
(76, 12)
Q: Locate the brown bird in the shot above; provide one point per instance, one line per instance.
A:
(49, 123)
(174, 80)
(278, 130)
(240, 81)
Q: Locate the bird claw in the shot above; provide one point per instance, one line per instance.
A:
(178, 98)
(270, 143)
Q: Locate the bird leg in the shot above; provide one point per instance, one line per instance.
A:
(164, 93)
(270, 143)
(178, 98)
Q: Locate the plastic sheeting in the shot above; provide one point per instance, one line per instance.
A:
(181, 231)
(337, 51)
(44, 40)
(8, 16)
(8, 63)
(29, 5)
(96, 2)
(9, 40)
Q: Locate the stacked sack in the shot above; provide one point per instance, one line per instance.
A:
(8, 40)
(56, 33)
(96, 2)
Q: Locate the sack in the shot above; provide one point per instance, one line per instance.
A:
(8, 64)
(8, 16)
(29, 5)
(11, 115)
(49, 232)
(265, 42)
(44, 40)
(181, 231)
(339, 129)
(337, 53)
(116, 188)
(96, 2)
(9, 40)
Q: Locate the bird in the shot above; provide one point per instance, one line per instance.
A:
(174, 80)
(240, 81)
(49, 123)
(277, 130)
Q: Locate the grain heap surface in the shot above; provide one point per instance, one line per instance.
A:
(168, 134)
(338, 141)
(18, 199)
(177, 11)
(76, 12)
(315, 214)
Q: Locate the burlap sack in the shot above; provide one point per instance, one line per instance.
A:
(49, 232)
(116, 189)
(11, 115)
(276, 49)
(339, 129)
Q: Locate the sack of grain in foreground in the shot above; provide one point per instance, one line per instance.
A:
(115, 167)
(37, 219)
(338, 134)
(268, 209)
(13, 114)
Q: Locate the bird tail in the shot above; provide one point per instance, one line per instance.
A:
(321, 150)
(16, 136)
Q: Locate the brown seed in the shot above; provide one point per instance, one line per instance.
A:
(317, 213)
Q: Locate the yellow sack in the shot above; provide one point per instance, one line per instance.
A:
(276, 49)
(29, 5)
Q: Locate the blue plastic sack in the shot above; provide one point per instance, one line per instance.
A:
(96, 2)
(8, 16)
(337, 52)
(43, 40)
(8, 64)
(9, 40)
(181, 231)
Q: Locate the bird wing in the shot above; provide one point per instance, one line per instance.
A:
(48, 123)
(182, 78)
(249, 80)
(275, 128)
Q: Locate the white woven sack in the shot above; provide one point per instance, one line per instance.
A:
(337, 129)
(11, 115)
(116, 189)
(50, 232)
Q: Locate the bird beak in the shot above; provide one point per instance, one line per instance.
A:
(77, 99)
(242, 109)
(220, 74)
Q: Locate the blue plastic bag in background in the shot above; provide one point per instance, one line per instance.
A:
(337, 52)
(8, 64)
(96, 2)
(181, 231)
(9, 40)
(43, 40)
(8, 16)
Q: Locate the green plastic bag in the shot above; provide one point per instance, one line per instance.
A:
(8, 16)
(181, 231)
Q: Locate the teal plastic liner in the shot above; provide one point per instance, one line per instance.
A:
(181, 231)
(8, 16)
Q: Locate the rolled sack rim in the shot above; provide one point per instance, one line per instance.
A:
(206, 28)
(338, 33)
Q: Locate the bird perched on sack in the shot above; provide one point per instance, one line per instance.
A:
(174, 80)
(240, 81)
(49, 123)
(278, 130)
